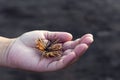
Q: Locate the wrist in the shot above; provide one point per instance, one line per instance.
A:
(5, 44)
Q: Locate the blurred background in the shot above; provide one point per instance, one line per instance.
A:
(99, 17)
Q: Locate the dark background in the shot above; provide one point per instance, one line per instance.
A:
(99, 17)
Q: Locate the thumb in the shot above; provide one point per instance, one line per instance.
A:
(62, 36)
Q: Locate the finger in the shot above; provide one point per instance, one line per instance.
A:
(61, 36)
(62, 63)
(79, 51)
(87, 39)
(70, 44)
(66, 52)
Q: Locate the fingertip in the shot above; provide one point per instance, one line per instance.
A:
(89, 35)
(88, 40)
(69, 35)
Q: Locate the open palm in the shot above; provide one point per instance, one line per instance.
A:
(24, 55)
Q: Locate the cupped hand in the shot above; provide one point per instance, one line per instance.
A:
(22, 53)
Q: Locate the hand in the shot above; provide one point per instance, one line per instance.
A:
(22, 53)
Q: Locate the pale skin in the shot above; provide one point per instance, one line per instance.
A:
(21, 53)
